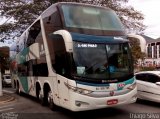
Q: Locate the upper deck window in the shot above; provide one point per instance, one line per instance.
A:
(89, 17)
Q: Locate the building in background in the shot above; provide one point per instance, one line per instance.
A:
(151, 47)
(153, 53)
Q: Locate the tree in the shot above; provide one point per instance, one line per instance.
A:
(4, 58)
(136, 50)
(25, 12)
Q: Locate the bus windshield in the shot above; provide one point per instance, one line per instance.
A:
(88, 17)
(102, 61)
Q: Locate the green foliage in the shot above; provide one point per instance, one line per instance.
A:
(151, 68)
(25, 12)
(136, 50)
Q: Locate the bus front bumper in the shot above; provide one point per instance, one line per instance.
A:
(81, 102)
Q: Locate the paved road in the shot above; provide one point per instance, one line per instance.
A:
(25, 107)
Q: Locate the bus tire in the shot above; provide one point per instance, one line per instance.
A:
(18, 91)
(38, 91)
(14, 84)
(50, 101)
(41, 100)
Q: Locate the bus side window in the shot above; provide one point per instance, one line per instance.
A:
(22, 69)
(59, 64)
(40, 70)
(33, 33)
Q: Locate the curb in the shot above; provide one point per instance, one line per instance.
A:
(8, 98)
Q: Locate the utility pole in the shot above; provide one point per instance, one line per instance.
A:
(1, 93)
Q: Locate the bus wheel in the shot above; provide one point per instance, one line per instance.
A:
(41, 99)
(18, 91)
(14, 85)
(51, 104)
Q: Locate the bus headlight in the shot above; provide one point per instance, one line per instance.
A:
(78, 90)
(83, 91)
(131, 87)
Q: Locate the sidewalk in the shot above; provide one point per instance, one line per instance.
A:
(6, 98)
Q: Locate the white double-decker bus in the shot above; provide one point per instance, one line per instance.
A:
(75, 56)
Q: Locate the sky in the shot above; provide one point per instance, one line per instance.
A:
(151, 11)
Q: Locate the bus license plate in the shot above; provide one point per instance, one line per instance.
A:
(112, 102)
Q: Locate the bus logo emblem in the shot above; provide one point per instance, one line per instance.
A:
(111, 93)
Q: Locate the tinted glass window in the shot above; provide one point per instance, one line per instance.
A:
(142, 77)
(60, 60)
(33, 33)
(88, 17)
(101, 61)
(152, 78)
(8, 77)
(148, 77)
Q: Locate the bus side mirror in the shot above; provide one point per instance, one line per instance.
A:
(62, 36)
(158, 83)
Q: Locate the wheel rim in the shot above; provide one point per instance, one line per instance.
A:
(19, 91)
(50, 98)
(39, 95)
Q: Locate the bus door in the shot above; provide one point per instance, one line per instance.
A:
(63, 93)
(60, 66)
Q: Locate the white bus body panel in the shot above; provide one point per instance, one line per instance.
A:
(90, 103)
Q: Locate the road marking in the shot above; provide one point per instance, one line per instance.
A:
(6, 109)
(7, 91)
(6, 106)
